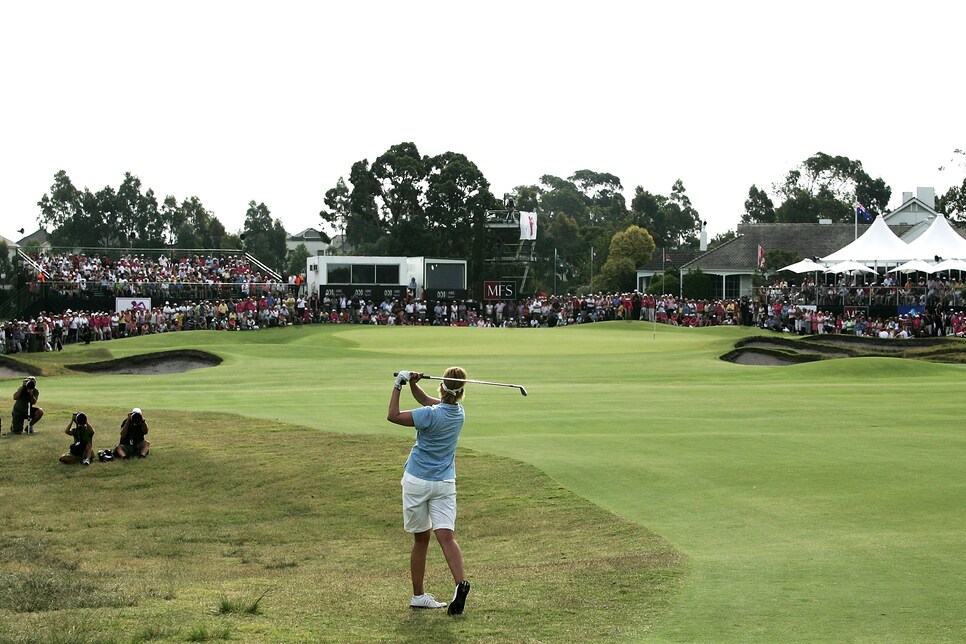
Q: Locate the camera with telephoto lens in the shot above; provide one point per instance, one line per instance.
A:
(29, 383)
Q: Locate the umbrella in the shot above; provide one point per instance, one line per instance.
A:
(949, 265)
(848, 267)
(914, 266)
(804, 266)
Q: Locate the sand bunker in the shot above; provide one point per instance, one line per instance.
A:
(164, 362)
(10, 368)
(787, 350)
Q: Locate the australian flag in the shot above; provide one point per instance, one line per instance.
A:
(861, 212)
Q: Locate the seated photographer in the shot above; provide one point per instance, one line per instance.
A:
(82, 449)
(24, 406)
(133, 441)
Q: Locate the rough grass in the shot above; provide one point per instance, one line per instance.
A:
(241, 530)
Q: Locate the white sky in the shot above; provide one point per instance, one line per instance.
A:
(274, 101)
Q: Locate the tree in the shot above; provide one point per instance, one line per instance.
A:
(136, 215)
(362, 223)
(721, 238)
(562, 196)
(457, 197)
(401, 174)
(198, 227)
(671, 220)
(264, 237)
(827, 187)
(776, 258)
(337, 202)
(66, 213)
(953, 202)
(296, 261)
(6, 266)
(629, 249)
(759, 208)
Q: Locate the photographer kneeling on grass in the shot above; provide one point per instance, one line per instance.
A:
(24, 409)
(82, 449)
(133, 441)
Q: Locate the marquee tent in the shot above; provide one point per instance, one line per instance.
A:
(877, 244)
(939, 239)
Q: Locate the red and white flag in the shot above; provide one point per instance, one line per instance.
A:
(528, 225)
(761, 257)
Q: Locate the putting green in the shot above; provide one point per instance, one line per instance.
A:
(821, 501)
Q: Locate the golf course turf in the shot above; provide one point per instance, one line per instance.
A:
(645, 489)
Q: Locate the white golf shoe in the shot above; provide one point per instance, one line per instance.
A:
(425, 601)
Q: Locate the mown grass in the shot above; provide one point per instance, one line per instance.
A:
(820, 502)
(243, 530)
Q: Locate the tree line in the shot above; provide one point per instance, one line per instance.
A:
(406, 203)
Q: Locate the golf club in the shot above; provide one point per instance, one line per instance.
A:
(476, 382)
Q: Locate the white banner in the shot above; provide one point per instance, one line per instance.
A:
(125, 303)
(528, 225)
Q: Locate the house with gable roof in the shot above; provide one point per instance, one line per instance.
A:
(732, 264)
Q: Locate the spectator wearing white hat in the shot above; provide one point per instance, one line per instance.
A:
(133, 436)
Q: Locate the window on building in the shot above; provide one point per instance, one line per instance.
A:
(363, 273)
(387, 274)
(338, 274)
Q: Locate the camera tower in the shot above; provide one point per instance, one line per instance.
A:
(509, 250)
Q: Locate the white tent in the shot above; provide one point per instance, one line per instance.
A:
(848, 267)
(939, 239)
(949, 265)
(804, 266)
(913, 266)
(878, 244)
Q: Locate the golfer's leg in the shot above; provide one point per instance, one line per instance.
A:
(452, 552)
(417, 561)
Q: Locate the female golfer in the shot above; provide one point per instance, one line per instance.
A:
(429, 482)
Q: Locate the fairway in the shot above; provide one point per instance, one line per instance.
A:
(817, 502)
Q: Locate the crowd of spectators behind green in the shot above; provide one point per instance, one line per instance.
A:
(249, 301)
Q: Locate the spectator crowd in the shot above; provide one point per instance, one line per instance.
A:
(254, 303)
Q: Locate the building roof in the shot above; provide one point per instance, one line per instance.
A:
(675, 257)
(39, 236)
(308, 235)
(9, 242)
(740, 255)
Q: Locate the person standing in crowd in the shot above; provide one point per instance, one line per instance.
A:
(82, 449)
(133, 436)
(429, 481)
(24, 407)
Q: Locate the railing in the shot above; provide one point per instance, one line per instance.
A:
(265, 269)
(944, 295)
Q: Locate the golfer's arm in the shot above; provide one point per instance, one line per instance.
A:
(404, 418)
(421, 396)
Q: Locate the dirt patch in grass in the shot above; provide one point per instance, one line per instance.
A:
(783, 350)
(163, 362)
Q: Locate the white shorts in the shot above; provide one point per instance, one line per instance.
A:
(428, 505)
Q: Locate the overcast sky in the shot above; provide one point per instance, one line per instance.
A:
(274, 101)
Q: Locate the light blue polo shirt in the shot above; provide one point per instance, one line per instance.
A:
(433, 457)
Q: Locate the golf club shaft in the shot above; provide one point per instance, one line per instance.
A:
(477, 382)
